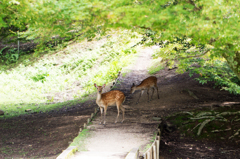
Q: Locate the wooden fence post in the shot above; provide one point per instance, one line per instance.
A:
(154, 151)
(144, 156)
(149, 155)
(158, 146)
(80, 130)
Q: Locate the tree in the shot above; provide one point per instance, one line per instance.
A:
(192, 30)
(41, 20)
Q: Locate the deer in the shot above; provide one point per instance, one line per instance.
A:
(146, 84)
(110, 98)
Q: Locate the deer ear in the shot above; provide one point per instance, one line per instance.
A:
(104, 85)
(95, 84)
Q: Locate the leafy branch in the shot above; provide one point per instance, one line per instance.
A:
(198, 55)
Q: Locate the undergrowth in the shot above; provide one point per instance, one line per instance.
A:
(220, 123)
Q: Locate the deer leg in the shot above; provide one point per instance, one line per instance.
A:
(140, 96)
(118, 105)
(105, 112)
(101, 110)
(157, 90)
(148, 94)
(152, 93)
(123, 111)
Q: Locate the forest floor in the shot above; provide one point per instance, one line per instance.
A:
(46, 135)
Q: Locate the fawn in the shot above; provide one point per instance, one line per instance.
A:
(111, 98)
(150, 82)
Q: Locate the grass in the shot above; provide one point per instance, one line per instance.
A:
(80, 140)
(157, 65)
(19, 109)
(66, 75)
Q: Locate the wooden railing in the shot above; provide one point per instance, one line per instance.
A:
(153, 151)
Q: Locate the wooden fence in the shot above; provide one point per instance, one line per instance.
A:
(153, 151)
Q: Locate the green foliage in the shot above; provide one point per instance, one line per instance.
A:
(40, 77)
(219, 72)
(11, 56)
(42, 20)
(198, 59)
(206, 23)
(188, 28)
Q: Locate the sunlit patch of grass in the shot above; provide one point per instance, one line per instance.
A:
(65, 75)
(156, 66)
(13, 110)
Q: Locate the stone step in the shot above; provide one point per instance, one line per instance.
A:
(99, 155)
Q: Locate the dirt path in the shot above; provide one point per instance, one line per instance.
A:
(137, 130)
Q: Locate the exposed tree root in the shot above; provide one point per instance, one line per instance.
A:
(206, 117)
(237, 133)
(221, 130)
(202, 126)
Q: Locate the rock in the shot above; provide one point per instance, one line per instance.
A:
(1, 112)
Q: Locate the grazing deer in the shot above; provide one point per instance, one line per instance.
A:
(111, 98)
(150, 82)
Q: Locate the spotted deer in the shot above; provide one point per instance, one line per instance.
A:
(111, 98)
(146, 84)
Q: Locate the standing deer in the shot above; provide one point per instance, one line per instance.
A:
(111, 98)
(150, 82)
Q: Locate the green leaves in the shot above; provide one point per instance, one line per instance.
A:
(219, 72)
(40, 77)
(208, 24)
